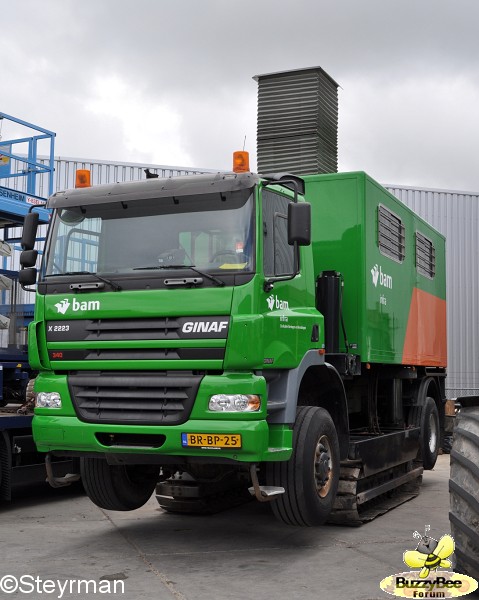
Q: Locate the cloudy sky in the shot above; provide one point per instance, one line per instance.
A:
(170, 82)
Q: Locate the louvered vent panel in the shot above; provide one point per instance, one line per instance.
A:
(297, 122)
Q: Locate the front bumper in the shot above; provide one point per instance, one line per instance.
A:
(61, 430)
(259, 441)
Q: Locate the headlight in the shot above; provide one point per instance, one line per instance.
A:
(235, 403)
(48, 400)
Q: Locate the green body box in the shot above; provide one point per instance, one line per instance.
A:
(394, 307)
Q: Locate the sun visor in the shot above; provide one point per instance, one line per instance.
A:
(188, 185)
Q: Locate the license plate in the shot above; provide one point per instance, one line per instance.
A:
(211, 440)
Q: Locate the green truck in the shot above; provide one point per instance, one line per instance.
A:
(213, 333)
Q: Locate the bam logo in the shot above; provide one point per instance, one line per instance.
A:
(381, 278)
(64, 305)
(274, 302)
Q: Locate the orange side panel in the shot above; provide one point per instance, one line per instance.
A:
(426, 339)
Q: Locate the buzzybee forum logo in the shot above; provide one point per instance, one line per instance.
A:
(431, 557)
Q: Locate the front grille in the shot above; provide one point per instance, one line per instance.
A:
(130, 398)
(161, 328)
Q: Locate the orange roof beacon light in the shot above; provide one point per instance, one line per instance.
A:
(241, 161)
(83, 178)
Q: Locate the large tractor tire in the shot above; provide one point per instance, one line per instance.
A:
(117, 487)
(310, 477)
(463, 488)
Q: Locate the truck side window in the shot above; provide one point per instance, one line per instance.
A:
(278, 258)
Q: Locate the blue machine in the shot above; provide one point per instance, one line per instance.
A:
(20, 463)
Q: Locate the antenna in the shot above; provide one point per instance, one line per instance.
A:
(244, 143)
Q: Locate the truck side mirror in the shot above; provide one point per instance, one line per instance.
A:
(30, 226)
(27, 277)
(28, 258)
(299, 223)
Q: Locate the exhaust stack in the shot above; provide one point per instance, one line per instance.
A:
(297, 122)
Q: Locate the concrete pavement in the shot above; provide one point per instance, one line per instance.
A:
(59, 535)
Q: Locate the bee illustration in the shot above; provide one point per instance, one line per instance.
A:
(430, 553)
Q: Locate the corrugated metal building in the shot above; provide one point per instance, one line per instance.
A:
(456, 215)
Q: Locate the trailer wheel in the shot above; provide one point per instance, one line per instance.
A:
(463, 486)
(117, 487)
(310, 477)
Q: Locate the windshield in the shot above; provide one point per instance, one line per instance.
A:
(212, 232)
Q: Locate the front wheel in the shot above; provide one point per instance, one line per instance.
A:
(117, 487)
(310, 477)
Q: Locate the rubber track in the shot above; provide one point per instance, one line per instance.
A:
(347, 511)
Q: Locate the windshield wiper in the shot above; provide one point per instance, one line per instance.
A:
(192, 267)
(114, 285)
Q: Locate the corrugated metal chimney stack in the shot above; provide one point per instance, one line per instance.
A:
(297, 122)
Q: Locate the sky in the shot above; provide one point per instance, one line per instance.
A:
(170, 82)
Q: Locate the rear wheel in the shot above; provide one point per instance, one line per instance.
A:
(117, 487)
(427, 418)
(463, 486)
(430, 434)
(311, 475)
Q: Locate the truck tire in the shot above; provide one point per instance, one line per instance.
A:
(463, 486)
(117, 487)
(427, 418)
(310, 477)
(430, 434)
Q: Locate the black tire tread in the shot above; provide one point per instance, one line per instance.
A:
(291, 507)
(105, 486)
(429, 459)
(286, 506)
(417, 416)
(463, 486)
